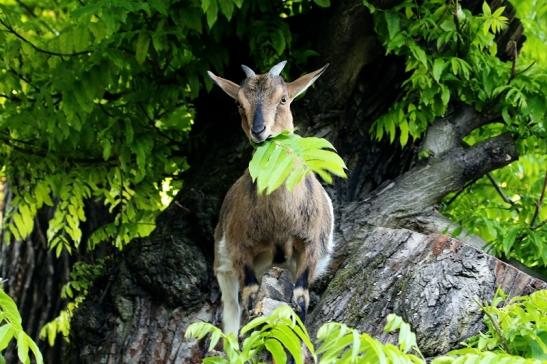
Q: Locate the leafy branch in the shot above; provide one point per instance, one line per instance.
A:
(281, 334)
(539, 203)
(10, 29)
(501, 193)
(288, 158)
(12, 329)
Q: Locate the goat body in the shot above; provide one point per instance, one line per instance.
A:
(255, 231)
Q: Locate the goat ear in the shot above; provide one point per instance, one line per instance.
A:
(231, 88)
(300, 85)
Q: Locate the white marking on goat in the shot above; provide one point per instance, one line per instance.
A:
(228, 282)
(324, 262)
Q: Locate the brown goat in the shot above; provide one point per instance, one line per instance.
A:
(254, 231)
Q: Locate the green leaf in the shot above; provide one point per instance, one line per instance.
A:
(277, 351)
(280, 173)
(486, 9)
(6, 334)
(160, 5)
(36, 351)
(227, 8)
(9, 309)
(392, 21)
(322, 3)
(403, 127)
(212, 13)
(22, 348)
(289, 341)
(141, 47)
(445, 95)
(287, 158)
(438, 68)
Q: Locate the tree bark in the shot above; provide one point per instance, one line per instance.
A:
(390, 255)
(34, 278)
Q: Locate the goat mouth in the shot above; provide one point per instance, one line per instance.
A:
(260, 141)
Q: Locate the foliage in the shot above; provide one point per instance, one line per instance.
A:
(518, 327)
(474, 356)
(75, 290)
(341, 344)
(451, 55)
(283, 333)
(280, 331)
(288, 158)
(532, 14)
(97, 102)
(505, 209)
(11, 329)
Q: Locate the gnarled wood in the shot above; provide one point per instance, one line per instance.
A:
(434, 282)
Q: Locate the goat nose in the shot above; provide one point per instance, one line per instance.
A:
(258, 131)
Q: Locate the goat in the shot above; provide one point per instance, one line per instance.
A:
(254, 230)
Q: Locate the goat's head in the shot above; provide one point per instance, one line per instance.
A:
(264, 100)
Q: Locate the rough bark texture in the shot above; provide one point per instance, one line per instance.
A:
(390, 256)
(34, 277)
(432, 281)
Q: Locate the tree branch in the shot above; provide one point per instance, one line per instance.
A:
(539, 203)
(35, 47)
(500, 192)
(433, 222)
(453, 198)
(447, 133)
(30, 12)
(425, 185)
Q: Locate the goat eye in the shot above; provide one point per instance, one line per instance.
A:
(238, 104)
(283, 100)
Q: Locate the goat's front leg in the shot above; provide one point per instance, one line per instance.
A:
(231, 313)
(250, 289)
(306, 262)
(301, 294)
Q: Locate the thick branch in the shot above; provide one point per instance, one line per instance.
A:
(432, 281)
(424, 186)
(448, 132)
(432, 222)
(348, 42)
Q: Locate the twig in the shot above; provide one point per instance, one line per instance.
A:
(40, 152)
(514, 63)
(500, 192)
(30, 11)
(460, 192)
(539, 202)
(504, 342)
(51, 53)
(526, 69)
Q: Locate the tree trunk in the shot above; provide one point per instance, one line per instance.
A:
(34, 278)
(390, 255)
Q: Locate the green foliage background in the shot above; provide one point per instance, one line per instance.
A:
(516, 333)
(452, 58)
(96, 104)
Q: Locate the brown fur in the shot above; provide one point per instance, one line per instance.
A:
(252, 227)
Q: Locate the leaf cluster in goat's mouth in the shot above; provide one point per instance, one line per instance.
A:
(288, 157)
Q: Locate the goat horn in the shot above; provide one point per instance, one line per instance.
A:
(248, 72)
(276, 70)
